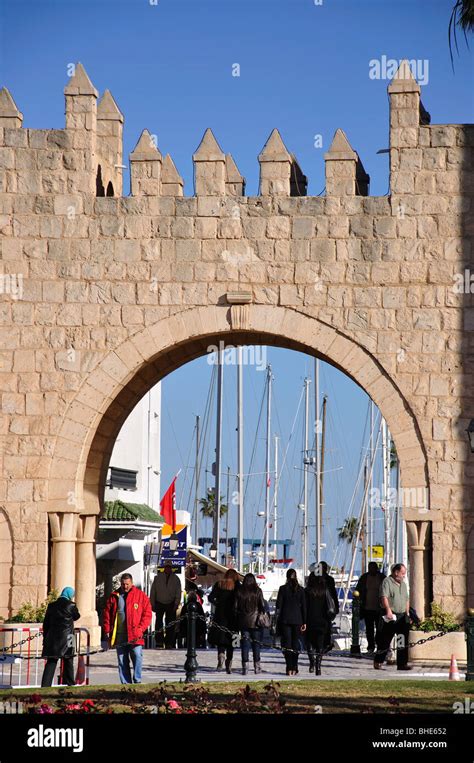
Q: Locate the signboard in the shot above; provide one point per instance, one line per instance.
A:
(376, 553)
(178, 557)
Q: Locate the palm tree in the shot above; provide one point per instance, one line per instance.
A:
(208, 505)
(348, 531)
(462, 16)
(393, 455)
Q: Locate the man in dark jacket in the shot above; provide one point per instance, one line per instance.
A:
(127, 615)
(58, 637)
(368, 586)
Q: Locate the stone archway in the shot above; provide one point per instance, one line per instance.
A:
(6, 566)
(112, 389)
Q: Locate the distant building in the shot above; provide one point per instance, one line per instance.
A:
(132, 498)
(135, 465)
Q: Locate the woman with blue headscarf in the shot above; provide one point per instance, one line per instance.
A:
(58, 637)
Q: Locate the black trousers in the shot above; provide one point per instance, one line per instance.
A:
(67, 668)
(290, 639)
(371, 618)
(316, 641)
(385, 634)
(168, 611)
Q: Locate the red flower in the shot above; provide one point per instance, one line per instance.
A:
(34, 699)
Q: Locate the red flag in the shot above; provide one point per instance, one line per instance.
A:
(168, 506)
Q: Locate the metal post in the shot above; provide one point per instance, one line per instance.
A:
(191, 665)
(196, 483)
(355, 646)
(318, 464)
(240, 459)
(305, 480)
(267, 469)
(470, 645)
(275, 495)
(217, 495)
(227, 520)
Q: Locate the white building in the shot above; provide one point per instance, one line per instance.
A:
(132, 497)
(138, 449)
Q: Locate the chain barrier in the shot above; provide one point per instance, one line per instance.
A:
(87, 653)
(228, 631)
(371, 655)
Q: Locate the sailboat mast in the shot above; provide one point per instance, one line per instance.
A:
(217, 520)
(371, 503)
(240, 460)
(321, 477)
(387, 528)
(196, 482)
(318, 462)
(267, 468)
(275, 494)
(305, 480)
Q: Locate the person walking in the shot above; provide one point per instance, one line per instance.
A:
(395, 603)
(320, 612)
(165, 596)
(368, 587)
(249, 605)
(127, 615)
(331, 586)
(58, 637)
(291, 619)
(222, 597)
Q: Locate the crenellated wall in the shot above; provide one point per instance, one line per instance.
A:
(117, 292)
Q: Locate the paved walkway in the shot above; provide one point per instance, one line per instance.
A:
(168, 665)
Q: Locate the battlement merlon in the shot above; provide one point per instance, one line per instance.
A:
(86, 157)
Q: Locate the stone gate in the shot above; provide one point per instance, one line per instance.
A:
(103, 295)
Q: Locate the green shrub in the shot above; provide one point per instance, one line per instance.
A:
(439, 621)
(28, 613)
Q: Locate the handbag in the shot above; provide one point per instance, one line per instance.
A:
(330, 605)
(263, 620)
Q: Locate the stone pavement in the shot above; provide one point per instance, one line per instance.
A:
(168, 665)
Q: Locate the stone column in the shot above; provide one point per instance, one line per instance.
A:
(10, 116)
(81, 116)
(171, 181)
(416, 532)
(345, 175)
(235, 183)
(209, 167)
(110, 139)
(86, 574)
(63, 536)
(145, 167)
(275, 167)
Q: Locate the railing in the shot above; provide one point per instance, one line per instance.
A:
(21, 663)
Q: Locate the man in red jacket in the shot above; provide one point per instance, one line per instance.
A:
(127, 615)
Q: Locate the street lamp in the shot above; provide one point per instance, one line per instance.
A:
(174, 540)
(470, 434)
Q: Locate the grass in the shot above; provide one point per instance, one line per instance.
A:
(305, 696)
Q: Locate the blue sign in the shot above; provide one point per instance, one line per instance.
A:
(177, 557)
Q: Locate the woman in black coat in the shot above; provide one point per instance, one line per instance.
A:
(58, 637)
(319, 613)
(249, 604)
(291, 620)
(222, 597)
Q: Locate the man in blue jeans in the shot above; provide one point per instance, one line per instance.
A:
(127, 615)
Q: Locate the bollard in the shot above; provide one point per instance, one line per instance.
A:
(355, 646)
(191, 665)
(470, 645)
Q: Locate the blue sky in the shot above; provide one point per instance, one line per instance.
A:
(304, 68)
